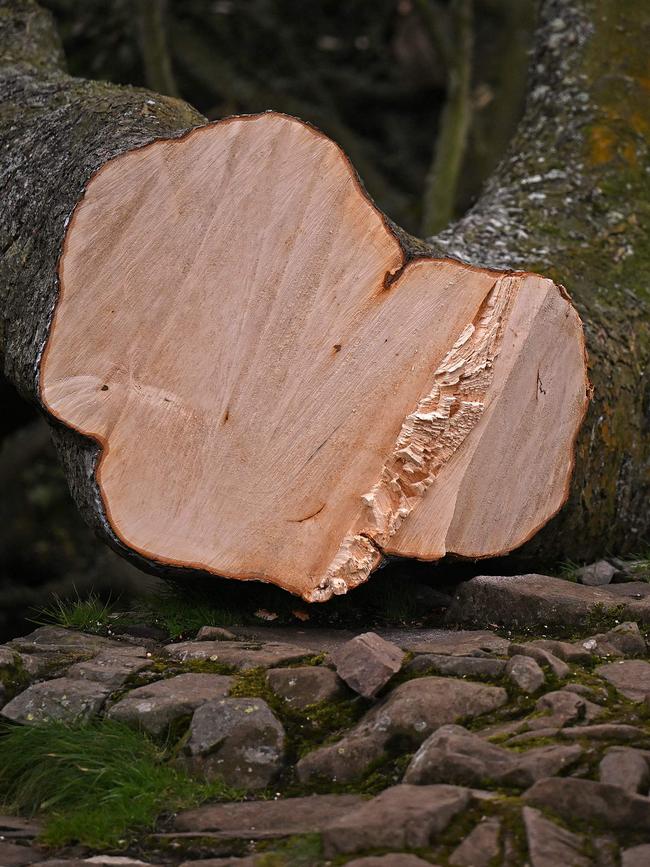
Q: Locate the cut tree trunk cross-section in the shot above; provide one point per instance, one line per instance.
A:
(282, 386)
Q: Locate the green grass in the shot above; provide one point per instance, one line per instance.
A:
(182, 617)
(92, 614)
(96, 784)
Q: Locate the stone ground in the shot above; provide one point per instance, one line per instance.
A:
(524, 739)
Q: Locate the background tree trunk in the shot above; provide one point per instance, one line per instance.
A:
(570, 202)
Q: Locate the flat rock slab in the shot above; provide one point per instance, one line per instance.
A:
(238, 654)
(528, 601)
(17, 828)
(593, 802)
(14, 855)
(552, 846)
(454, 755)
(452, 642)
(402, 817)
(260, 820)
(413, 711)
(366, 663)
(394, 859)
(239, 740)
(456, 666)
(627, 768)
(158, 705)
(49, 638)
(481, 847)
(636, 856)
(111, 668)
(62, 699)
(630, 677)
(307, 685)
(456, 642)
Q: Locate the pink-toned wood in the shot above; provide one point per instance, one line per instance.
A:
(277, 393)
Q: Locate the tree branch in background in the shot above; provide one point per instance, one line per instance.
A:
(442, 179)
(153, 46)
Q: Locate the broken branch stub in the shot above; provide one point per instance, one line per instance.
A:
(281, 387)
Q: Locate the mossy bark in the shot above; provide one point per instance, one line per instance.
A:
(571, 201)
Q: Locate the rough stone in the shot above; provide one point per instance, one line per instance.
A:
(527, 601)
(110, 668)
(240, 655)
(481, 846)
(158, 705)
(259, 820)
(608, 805)
(60, 699)
(301, 687)
(552, 846)
(631, 677)
(447, 642)
(118, 861)
(604, 731)
(456, 666)
(401, 817)
(624, 640)
(50, 650)
(18, 828)
(454, 755)
(13, 855)
(367, 663)
(215, 633)
(55, 638)
(525, 673)
(596, 694)
(626, 768)
(568, 651)
(637, 856)
(394, 859)
(249, 861)
(412, 711)
(559, 708)
(543, 657)
(237, 739)
(596, 574)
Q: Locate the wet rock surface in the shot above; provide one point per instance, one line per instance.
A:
(478, 749)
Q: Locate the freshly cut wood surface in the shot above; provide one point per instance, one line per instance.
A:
(279, 391)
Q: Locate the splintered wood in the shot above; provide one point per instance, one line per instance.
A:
(279, 391)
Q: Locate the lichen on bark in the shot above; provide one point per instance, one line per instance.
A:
(570, 200)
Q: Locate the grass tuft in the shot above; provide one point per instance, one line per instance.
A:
(96, 784)
(91, 614)
(182, 616)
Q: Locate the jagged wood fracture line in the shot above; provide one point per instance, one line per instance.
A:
(429, 437)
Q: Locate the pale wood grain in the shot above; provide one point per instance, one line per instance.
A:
(240, 331)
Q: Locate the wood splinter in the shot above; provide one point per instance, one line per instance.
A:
(282, 386)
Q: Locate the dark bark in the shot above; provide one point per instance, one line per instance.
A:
(55, 132)
(568, 202)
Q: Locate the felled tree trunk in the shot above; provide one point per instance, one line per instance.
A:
(179, 306)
